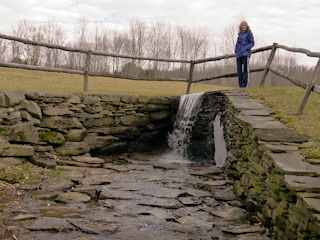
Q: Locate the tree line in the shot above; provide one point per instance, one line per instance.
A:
(158, 40)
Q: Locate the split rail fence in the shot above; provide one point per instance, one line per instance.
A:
(309, 86)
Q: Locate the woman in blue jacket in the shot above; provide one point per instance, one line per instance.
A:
(244, 44)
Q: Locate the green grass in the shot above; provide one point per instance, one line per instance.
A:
(73, 83)
(57, 174)
(285, 101)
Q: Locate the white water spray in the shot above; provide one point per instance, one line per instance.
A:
(179, 139)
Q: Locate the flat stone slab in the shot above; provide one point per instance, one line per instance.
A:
(293, 164)
(215, 183)
(168, 203)
(313, 161)
(259, 112)
(57, 111)
(116, 167)
(99, 228)
(190, 201)
(24, 217)
(309, 194)
(228, 212)
(89, 160)
(249, 105)
(243, 99)
(224, 194)
(44, 195)
(280, 135)
(120, 195)
(278, 148)
(302, 183)
(252, 237)
(243, 229)
(211, 170)
(77, 164)
(50, 224)
(9, 161)
(261, 122)
(91, 190)
(73, 197)
(57, 184)
(313, 204)
(97, 179)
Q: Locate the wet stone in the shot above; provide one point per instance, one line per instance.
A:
(160, 202)
(91, 190)
(133, 199)
(50, 224)
(77, 164)
(243, 229)
(228, 212)
(119, 195)
(99, 228)
(118, 168)
(224, 194)
(190, 201)
(72, 197)
(97, 179)
(24, 217)
(165, 166)
(57, 184)
(89, 160)
(45, 195)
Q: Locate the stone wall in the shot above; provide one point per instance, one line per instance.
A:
(43, 126)
(279, 186)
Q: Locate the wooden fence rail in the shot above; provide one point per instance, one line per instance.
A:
(192, 63)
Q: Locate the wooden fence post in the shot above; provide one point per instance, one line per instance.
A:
(192, 63)
(266, 70)
(309, 89)
(86, 70)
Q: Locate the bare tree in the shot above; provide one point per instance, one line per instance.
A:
(27, 53)
(54, 34)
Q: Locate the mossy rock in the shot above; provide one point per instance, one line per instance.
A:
(52, 137)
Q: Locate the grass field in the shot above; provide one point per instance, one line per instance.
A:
(284, 100)
(73, 83)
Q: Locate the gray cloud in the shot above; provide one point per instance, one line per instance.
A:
(292, 23)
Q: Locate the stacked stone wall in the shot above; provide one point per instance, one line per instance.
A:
(281, 188)
(42, 126)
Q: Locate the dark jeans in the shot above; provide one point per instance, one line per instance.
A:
(243, 71)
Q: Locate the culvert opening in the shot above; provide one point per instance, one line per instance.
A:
(195, 135)
(198, 131)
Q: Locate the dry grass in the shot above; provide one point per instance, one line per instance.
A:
(73, 83)
(284, 100)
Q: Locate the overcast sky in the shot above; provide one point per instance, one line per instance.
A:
(295, 23)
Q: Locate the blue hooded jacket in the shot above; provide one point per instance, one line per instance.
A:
(244, 44)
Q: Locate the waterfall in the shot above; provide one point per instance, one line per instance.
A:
(179, 139)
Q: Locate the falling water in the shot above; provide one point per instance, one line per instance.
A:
(220, 153)
(179, 139)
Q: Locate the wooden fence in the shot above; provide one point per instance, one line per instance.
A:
(309, 86)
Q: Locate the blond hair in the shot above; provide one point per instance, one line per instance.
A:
(248, 28)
